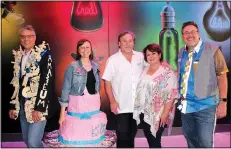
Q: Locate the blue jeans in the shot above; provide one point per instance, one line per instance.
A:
(32, 133)
(198, 128)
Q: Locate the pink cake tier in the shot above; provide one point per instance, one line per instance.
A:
(78, 131)
(84, 123)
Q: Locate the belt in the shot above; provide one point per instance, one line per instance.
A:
(182, 98)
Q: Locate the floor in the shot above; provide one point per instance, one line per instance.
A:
(222, 139)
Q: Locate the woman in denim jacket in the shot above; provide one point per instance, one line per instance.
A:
(80, 94)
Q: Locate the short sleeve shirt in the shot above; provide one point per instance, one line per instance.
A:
(124, 76)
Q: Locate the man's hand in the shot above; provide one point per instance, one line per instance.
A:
(36, 116)
(114, 107)
(12, 114)
(221, 110)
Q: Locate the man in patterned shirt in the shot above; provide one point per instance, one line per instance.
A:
(34, 100)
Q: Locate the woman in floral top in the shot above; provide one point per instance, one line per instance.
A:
(155, 96)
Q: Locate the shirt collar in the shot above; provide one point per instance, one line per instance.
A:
(197, 48)
(24, 53)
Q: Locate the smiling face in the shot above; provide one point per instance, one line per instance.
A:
(191, 36)
(27, 39)
(153, 57)
(126, 43)
(85, 50)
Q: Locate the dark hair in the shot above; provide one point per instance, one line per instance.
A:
(80, 43)
(153, 48)
(188, 23)
(127, 32)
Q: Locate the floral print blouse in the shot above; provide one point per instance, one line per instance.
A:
(153, 92)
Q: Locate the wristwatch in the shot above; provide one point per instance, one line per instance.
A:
(223, 99)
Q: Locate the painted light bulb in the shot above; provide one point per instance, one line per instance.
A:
(86, 16)
(168, 36)
(216, 21)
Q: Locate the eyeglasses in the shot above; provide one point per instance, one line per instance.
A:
(192, 32)
(26, 36)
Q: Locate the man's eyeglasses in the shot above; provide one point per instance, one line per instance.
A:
(26, 36)
(188, 33)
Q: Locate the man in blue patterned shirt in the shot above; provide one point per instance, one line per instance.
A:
(203, 87)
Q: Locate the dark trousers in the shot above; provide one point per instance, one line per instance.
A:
(153, 142)
(125, 130)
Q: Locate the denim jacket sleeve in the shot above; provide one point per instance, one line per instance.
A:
(66, 89)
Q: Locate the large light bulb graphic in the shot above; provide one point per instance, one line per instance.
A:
(86, 16)
(216, 21)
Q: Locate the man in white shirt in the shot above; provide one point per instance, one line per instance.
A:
(121, 75)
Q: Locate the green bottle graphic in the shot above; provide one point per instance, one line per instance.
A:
(168, 37)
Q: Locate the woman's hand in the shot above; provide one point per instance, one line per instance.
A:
(62, 116)
(61, 119)
(167, 108)
(163, 119)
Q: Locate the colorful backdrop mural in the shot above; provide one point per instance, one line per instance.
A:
(62, 24)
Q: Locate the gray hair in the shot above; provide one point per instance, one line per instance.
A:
(26, 27)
